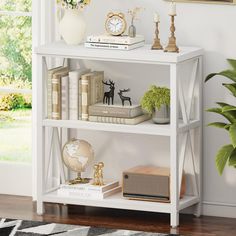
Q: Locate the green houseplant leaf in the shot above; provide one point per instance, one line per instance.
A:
(232, 132)
(230, 117)
(222, 157)
(219, 125)
(230, 74)
(231, 88)
(232, 62)
(232, 158)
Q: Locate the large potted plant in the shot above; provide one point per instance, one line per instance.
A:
(72, 26)
(227, 153)
(156, 101)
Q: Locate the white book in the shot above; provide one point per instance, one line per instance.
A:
(108, 185)
(65, 98)
(74, 77)
(114, 46)
(124, 39)
(87, 194)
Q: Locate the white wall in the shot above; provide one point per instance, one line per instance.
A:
(207, 26)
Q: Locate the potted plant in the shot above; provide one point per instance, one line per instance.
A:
(227, 153)
(156, 101)
(72, 26)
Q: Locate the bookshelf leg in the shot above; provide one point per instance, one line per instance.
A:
(40, 208)
(174, 219)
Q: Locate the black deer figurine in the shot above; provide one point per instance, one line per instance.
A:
(123, 98)
(109, 95)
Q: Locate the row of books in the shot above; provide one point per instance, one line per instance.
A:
(78, 95)
(90, 191)
(71, 92)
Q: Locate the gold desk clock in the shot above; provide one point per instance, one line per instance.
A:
(115, 24)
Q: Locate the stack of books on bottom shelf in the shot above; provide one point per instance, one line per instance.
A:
(117, 114)
(114, 42)
(89, 191)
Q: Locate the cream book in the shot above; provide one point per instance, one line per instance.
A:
(56, 93)
(74, 77)
(92, 91)
(49, 90)
(116, 120)
(120, 111)
(124, 39)
(65, 98)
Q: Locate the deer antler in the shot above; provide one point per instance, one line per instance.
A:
(111, 82)
(106, 83)
(125, 90)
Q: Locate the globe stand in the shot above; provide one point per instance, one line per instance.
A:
(79, 180)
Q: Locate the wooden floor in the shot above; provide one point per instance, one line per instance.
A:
(23, 208)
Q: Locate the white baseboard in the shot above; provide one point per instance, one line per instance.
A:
(219, 209)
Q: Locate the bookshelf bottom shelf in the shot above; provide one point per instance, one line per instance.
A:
(118, 202)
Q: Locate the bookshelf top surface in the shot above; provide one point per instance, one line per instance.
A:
(140, 55)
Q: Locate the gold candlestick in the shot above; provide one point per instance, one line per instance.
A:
(157, 44)
(172, 47)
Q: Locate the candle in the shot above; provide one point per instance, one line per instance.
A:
(172, 11)
(156, 17)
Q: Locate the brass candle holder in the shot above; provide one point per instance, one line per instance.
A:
(172, 47)
(157, 44)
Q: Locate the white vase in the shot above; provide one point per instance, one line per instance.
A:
(72, 27)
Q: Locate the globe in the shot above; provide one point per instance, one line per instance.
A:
(77, 155)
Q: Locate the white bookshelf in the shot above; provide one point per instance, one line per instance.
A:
(189, 59)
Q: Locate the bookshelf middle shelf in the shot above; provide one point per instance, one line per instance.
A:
(146, 127)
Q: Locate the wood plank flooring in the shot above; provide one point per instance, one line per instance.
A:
(23, 208)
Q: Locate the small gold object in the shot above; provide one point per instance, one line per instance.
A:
(79, 180)
(98, 174)
(157, 44)
(172, 47)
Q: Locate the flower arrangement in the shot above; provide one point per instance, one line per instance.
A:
(73, 4)
(134, 13)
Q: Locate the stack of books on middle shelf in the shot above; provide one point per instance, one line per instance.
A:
(117, 114)
(68, 91)
(90, 191)
(114, 42)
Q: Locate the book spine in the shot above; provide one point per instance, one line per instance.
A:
(80, 99)
(113, 46)
(65, 98)
(73, 96)
(49, 96)
(85, 99)
(96, 88)
(88, 195)
(56, 98)
(107, 111)
(103, 39)
(116, 120)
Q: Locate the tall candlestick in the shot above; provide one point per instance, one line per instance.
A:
(172, 47)
(156, 17)
(157, 44)
(172, 11)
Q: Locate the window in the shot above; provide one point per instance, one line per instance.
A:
(15, 80)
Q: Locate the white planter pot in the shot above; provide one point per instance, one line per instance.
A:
(72, 27)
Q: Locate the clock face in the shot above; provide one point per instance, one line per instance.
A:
(115, 25)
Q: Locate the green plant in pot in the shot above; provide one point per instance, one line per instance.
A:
(227, 153)
(156, 101)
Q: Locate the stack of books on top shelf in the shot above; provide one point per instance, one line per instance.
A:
(65, 98)
(115, 42)
(90, 191)
(117, 114)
